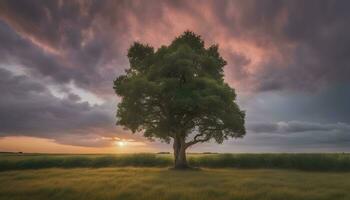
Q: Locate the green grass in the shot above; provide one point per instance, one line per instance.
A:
(127, 183)
(40, 161)
(311, 162)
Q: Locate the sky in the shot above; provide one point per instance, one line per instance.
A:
(289, 62)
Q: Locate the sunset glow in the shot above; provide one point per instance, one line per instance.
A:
(121, 143)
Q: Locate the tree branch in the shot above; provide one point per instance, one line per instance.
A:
(205, 139)
(196, 140)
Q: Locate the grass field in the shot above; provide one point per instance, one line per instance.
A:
(307, 162)
(127, 183)
(147, 176)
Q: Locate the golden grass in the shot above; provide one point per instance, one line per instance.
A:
(163, 184)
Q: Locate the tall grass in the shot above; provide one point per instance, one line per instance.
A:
(74, 161)
(314, 162)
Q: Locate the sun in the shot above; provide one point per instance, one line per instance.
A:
(121, 143)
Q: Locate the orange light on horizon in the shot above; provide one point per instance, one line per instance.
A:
(42, 145)
(121, 143)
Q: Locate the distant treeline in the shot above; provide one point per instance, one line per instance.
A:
(311, 162)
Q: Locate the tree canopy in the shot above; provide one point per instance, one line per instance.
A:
(177, 92)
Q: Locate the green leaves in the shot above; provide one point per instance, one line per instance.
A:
(140, 56)
(177, 89)
(189, 38)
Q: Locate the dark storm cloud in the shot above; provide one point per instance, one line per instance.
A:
(80, 41)
(329, 105)
(49, 20)
(61, 40)
(297, 127)
(15, 49)
(303, 135)
(293, 136)
(303, 44)
(28, 108)
(310, 141)
(312, 38)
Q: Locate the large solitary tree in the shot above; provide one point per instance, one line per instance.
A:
(177, 93)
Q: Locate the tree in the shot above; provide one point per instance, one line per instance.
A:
(177, 93)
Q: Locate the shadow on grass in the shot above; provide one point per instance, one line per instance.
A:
(188, 168)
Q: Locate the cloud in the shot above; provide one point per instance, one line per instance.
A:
(29, 108)
(291, 136)
(298, 45)
(66, 42)
(297, 127)
(329, 105)
(269, 45)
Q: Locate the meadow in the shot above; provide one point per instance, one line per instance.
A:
(149, 176)
(144, 183)
(308, 162)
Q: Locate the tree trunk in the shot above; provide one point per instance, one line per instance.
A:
(176, 147)
(180, 153)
